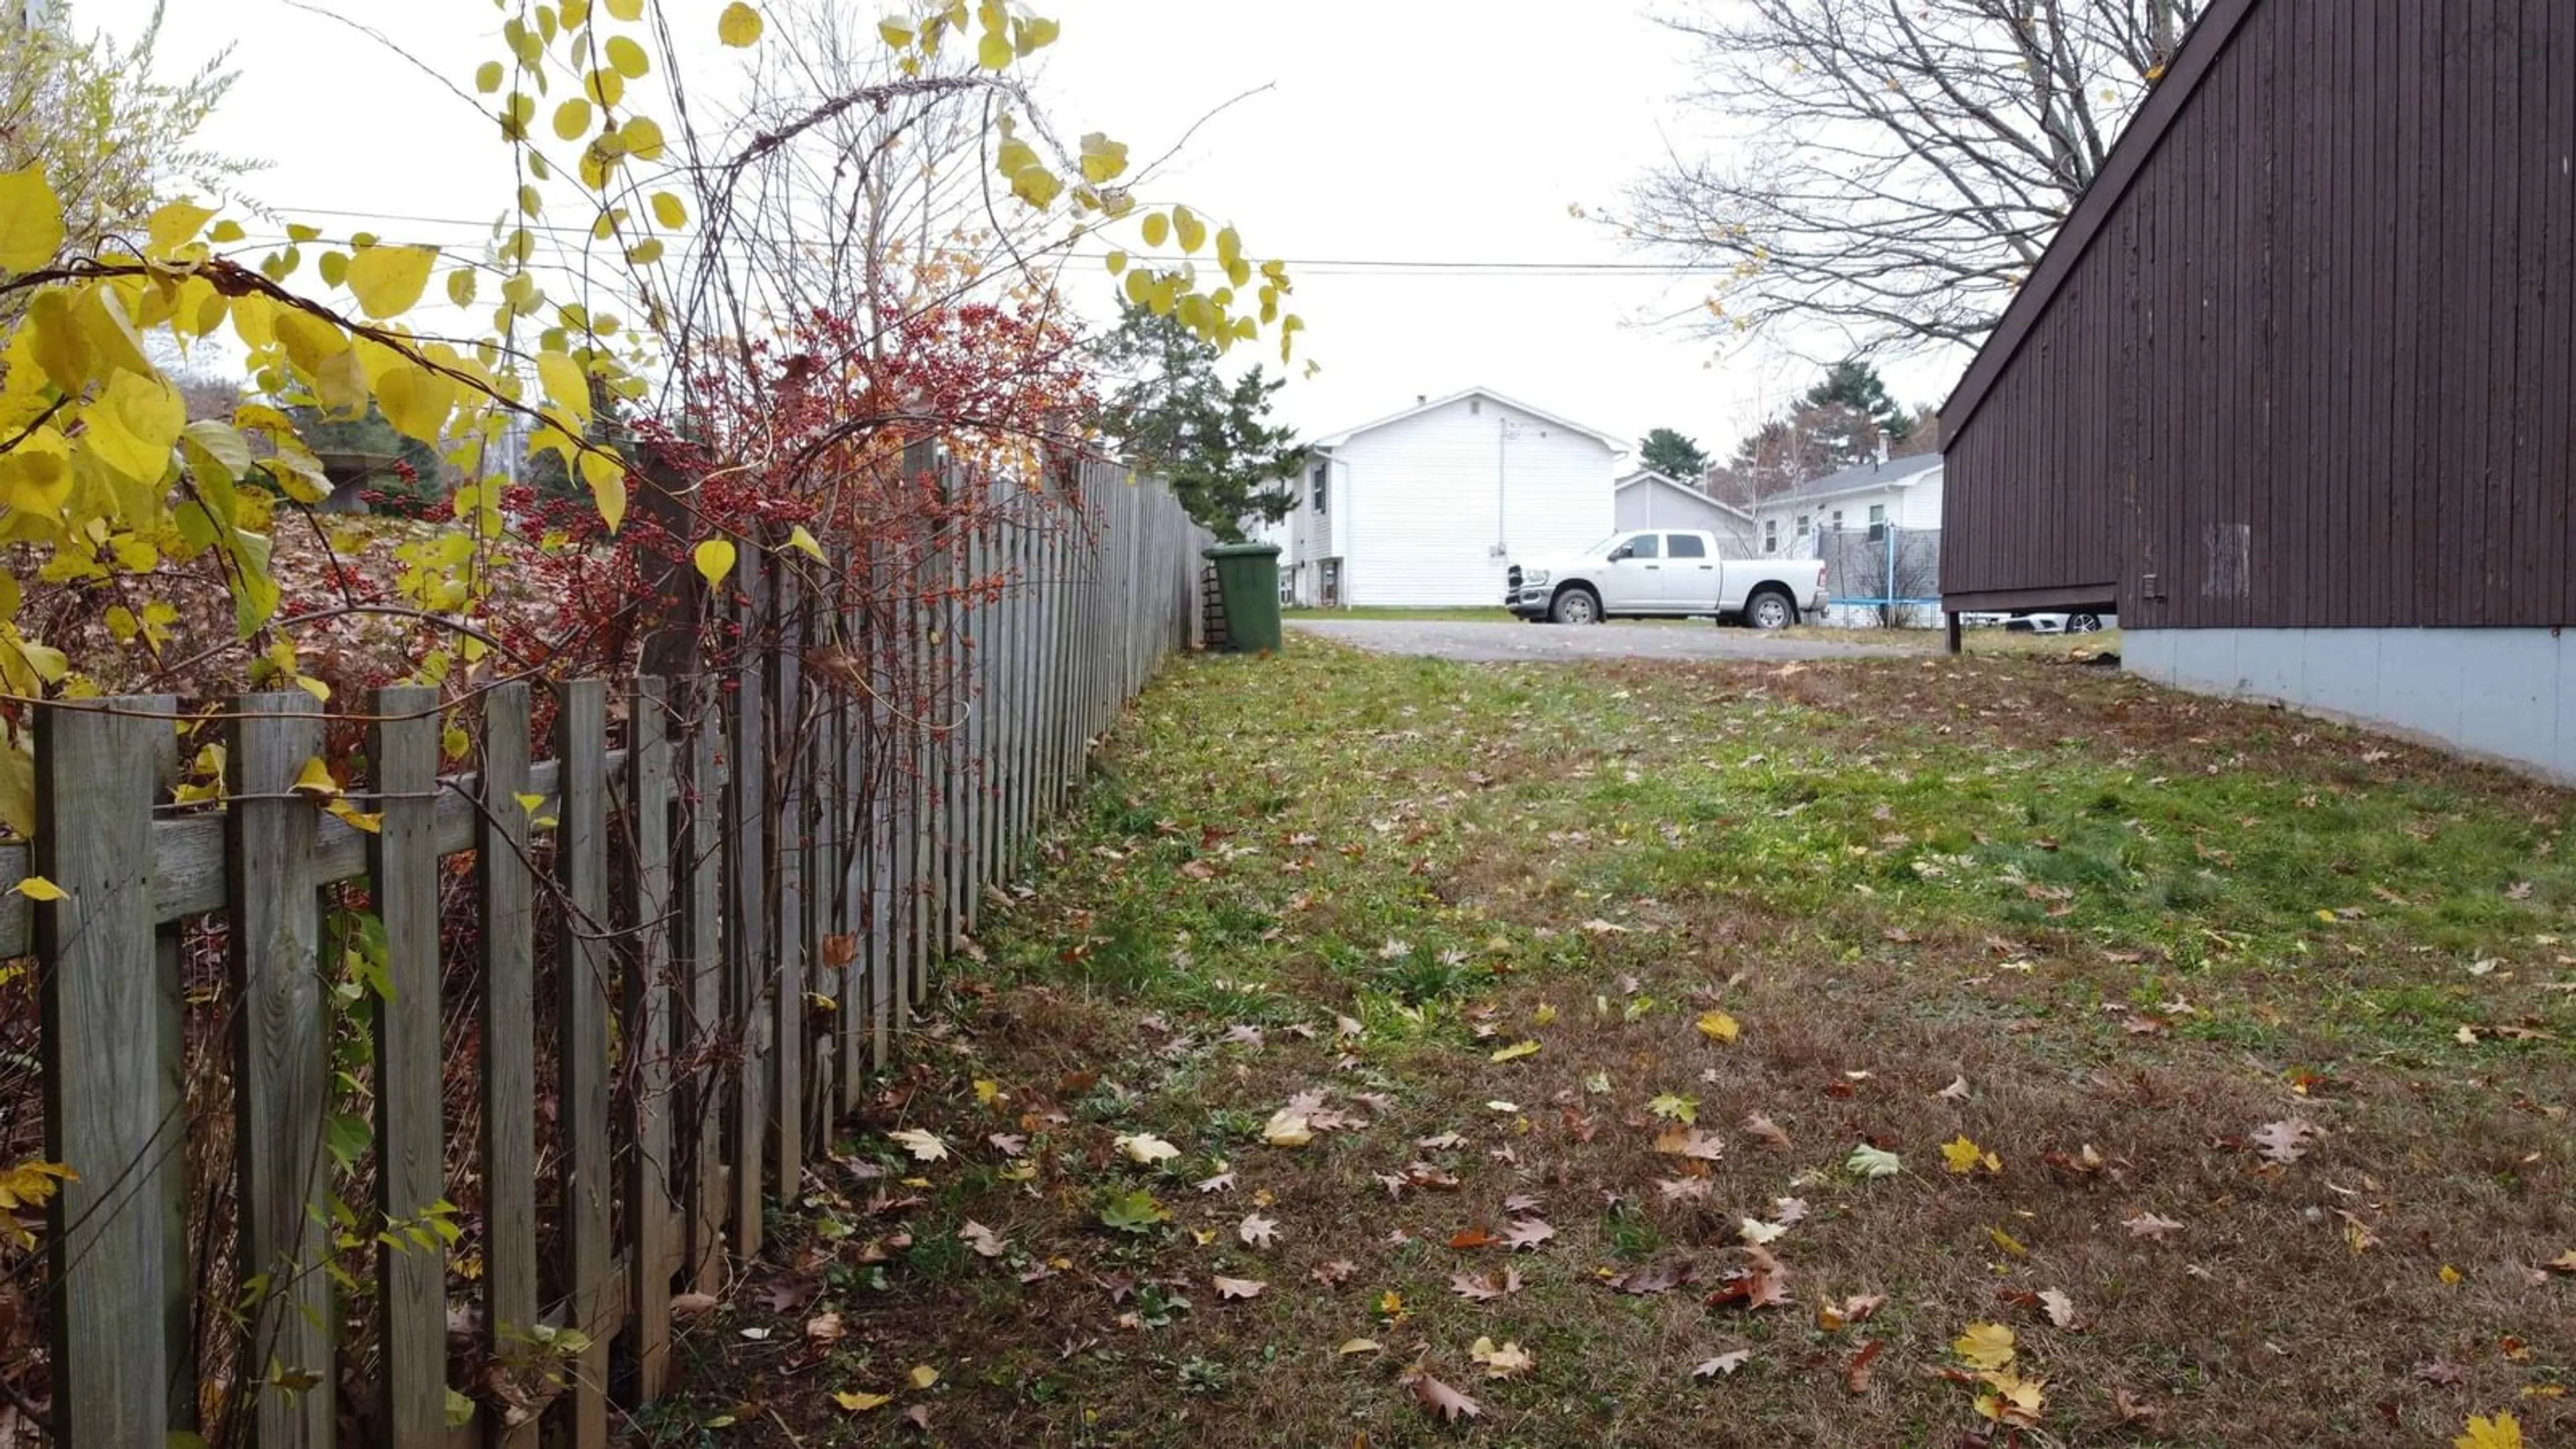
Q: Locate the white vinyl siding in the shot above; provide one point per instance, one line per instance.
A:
(1429, 509)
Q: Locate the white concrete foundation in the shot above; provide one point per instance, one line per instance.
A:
(2501, 694)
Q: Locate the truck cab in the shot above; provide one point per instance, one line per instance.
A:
(1669, 572)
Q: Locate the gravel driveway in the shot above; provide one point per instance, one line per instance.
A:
(1491, 642)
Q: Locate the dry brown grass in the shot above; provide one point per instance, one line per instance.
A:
(1607, 854)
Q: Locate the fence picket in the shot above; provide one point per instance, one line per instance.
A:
(791, 842)
(584, 969)
(646, 908)
(411, 1137)
(274, 951)
(506, 891)
(746, 921)
(112, 1091)
(702, 952)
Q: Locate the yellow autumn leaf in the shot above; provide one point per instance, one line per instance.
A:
(1985, 1345)
(1358, 1345)
(2504, 1431)
(1156, 227)
(1962, 1156)
(669, 211)
(739, 26)
(993, 52)
(714, 559)
(860, 1403)
(564, 384)
(626, 9)
(37, 888)
(388, 280)
(572, 119)
(31, 219)
(628, 58)
(803, 542)
(1718, 1026)
(1516, 1051)
(487, 77)
(606, 476)
(1187, 226)
(923, 1376)
(174, 225)
(316, 778)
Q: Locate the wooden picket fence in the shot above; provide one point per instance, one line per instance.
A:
(742, 880)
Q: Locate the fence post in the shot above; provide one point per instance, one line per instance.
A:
(411, 1139)
(506, 891)
(584, 965)
(113, 1108)
(646, 903)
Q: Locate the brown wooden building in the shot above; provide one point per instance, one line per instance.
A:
(2292, 390)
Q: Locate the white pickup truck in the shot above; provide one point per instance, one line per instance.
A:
(1666, 571)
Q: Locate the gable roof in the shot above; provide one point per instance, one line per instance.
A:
(1862, 478)
(1649, 475)
(2193, 60)
(1335, 440)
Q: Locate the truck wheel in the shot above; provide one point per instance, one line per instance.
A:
(1577, 605)
(1770, 609)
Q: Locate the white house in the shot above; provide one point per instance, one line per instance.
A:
(1902, 491)
(1427, 507)
(1648, 499)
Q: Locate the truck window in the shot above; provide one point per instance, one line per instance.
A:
(1685, 545)
(1645, 545)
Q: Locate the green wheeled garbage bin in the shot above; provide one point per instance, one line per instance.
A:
(1247, 579)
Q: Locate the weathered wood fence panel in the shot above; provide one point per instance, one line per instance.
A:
(698, 927)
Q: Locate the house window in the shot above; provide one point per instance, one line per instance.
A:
(1685, 545)
(1838, 520)
(1803, 519)
(1878, 513)
(1770, 535)
(1475, 407)
(1322, 488)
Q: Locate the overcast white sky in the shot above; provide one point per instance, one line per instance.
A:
(1397, 131)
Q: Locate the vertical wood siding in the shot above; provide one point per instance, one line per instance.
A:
(2313, 368)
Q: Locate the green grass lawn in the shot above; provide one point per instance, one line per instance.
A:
(1819, 1031)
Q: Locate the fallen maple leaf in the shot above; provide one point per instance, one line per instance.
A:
(1985, 1345)
(2061, 1309)
(1868, 1161)
(1765, 1131)
(1684, 1189)
(1502, 1360)
(824, 1328)
(1683, 1109)
(2503, 1431)
(1441, 1401)
(2285, 1141)
(1440, 1142)
(2131, 1408)
(981, 1238)
(1258, 1231)
(924, 1146)
(1287, 1128)
(1481, 1287)
(1758, 1233)
(1334, 1273)
(2149, 1225)
(1009, 1144)
(1725, 1363)
(1526, 1233)
(1654, 1277)
(1856, 1372)
(2012, 1400)
(2448, 1375)
(1144, 1148)
(1717, 1026)
(1222, 1182)
(1963, 1156)
(1238, 1287)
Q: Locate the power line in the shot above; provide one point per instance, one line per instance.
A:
(1311, 266)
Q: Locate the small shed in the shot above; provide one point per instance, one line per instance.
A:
(2289, 391)
(1648, 499)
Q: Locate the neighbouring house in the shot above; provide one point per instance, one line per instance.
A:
(1648, 499)
(2289, 391)
(1903, 491)
(1426, 508)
